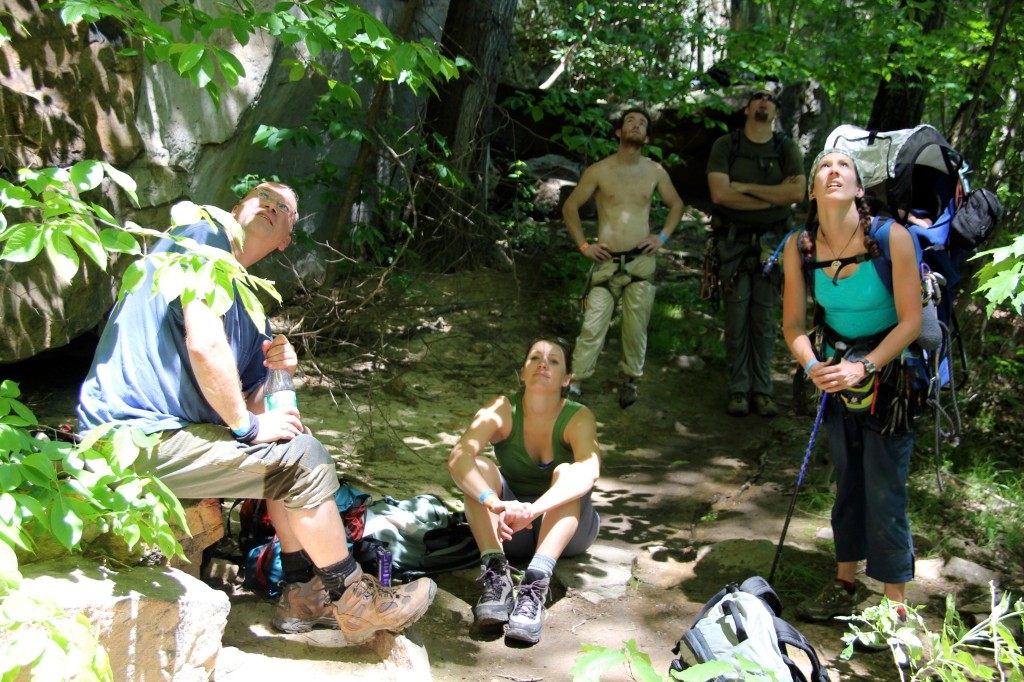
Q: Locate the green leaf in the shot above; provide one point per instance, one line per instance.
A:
(24, 242)
(125, 452)
(31, 508)
(38, 470)
(13, 196)
(252, 306)
(705, 671)
(593, 661)
(10, 476)
(189, 58)
(65, 524)
(62, 256)
(72, 11)
(132, 279)
(124, 181)
(119, 241)
(86, 175)
(230, 68)
(240, 29)
(90, 243)
(169, 279)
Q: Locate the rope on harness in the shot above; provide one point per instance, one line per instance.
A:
(934, 401)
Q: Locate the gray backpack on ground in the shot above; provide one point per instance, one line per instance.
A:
(740, 626)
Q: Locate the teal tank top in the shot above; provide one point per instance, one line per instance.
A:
(523, 475)
(858, 306)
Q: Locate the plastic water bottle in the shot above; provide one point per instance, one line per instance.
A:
(279, 391)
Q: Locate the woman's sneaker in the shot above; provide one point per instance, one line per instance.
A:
(303, 606)
(527, 618)
(498, 598)
(367, 607)
(832, 601)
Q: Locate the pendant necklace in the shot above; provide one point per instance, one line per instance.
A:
(837, 263)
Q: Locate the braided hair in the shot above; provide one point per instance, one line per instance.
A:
(806, 244)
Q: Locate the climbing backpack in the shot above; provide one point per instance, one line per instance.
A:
(741, 629)
(916, 172)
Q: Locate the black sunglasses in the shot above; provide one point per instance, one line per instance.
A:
(764, 95)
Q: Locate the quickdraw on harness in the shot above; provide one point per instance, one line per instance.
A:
(711, 285)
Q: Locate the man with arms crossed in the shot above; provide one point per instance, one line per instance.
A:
(754, 174)
(623, 185)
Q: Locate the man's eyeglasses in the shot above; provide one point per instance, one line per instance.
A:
(277, 203)
(764, 95)
(282, 207)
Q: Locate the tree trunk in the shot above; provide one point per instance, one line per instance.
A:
(462, 113)
(899, 102)
(969, 133)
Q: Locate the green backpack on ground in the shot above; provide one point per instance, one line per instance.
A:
(422, 534)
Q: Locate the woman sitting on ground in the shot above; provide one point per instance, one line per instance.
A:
(534, 504)
(870, 443)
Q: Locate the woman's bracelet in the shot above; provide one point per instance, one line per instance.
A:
(662, 236)
(810, 363)
(584, 246)
(485, 494)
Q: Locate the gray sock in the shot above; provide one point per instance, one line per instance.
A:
(540, 567)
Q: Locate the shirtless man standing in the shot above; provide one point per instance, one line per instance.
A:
(623, 185)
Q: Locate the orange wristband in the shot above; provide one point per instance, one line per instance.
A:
(584, 246)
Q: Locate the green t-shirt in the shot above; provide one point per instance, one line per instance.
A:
(523, 475)
(756, 163)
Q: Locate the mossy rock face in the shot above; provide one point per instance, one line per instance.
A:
(105, 547)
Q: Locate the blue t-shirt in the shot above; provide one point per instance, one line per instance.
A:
(141, 373)
(858, 306)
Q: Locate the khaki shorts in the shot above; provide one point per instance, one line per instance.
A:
(204, 460)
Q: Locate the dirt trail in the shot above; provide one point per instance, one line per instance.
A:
(693, 497)
(696, 497)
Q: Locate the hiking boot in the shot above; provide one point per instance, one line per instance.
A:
(366, 606)
(764, 405)
(627, 394)
(832, 601)
(527, 618)
(498, 598)
(738, 405)
(303, 606)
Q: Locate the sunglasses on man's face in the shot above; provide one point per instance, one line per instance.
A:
(764, 95)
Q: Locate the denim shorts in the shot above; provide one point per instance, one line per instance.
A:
(869, 517)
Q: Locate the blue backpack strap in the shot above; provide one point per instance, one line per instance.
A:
(880, 231)
(880, 228)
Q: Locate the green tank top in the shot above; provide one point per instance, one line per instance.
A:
(523, 475)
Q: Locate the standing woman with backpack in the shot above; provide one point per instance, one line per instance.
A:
(533, 504)
(870, 433)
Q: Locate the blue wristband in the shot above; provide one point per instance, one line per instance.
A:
(663, 237)
(810, 363)
(251, 428)
(485, 494)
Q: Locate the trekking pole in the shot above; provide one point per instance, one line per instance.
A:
(840, 351)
